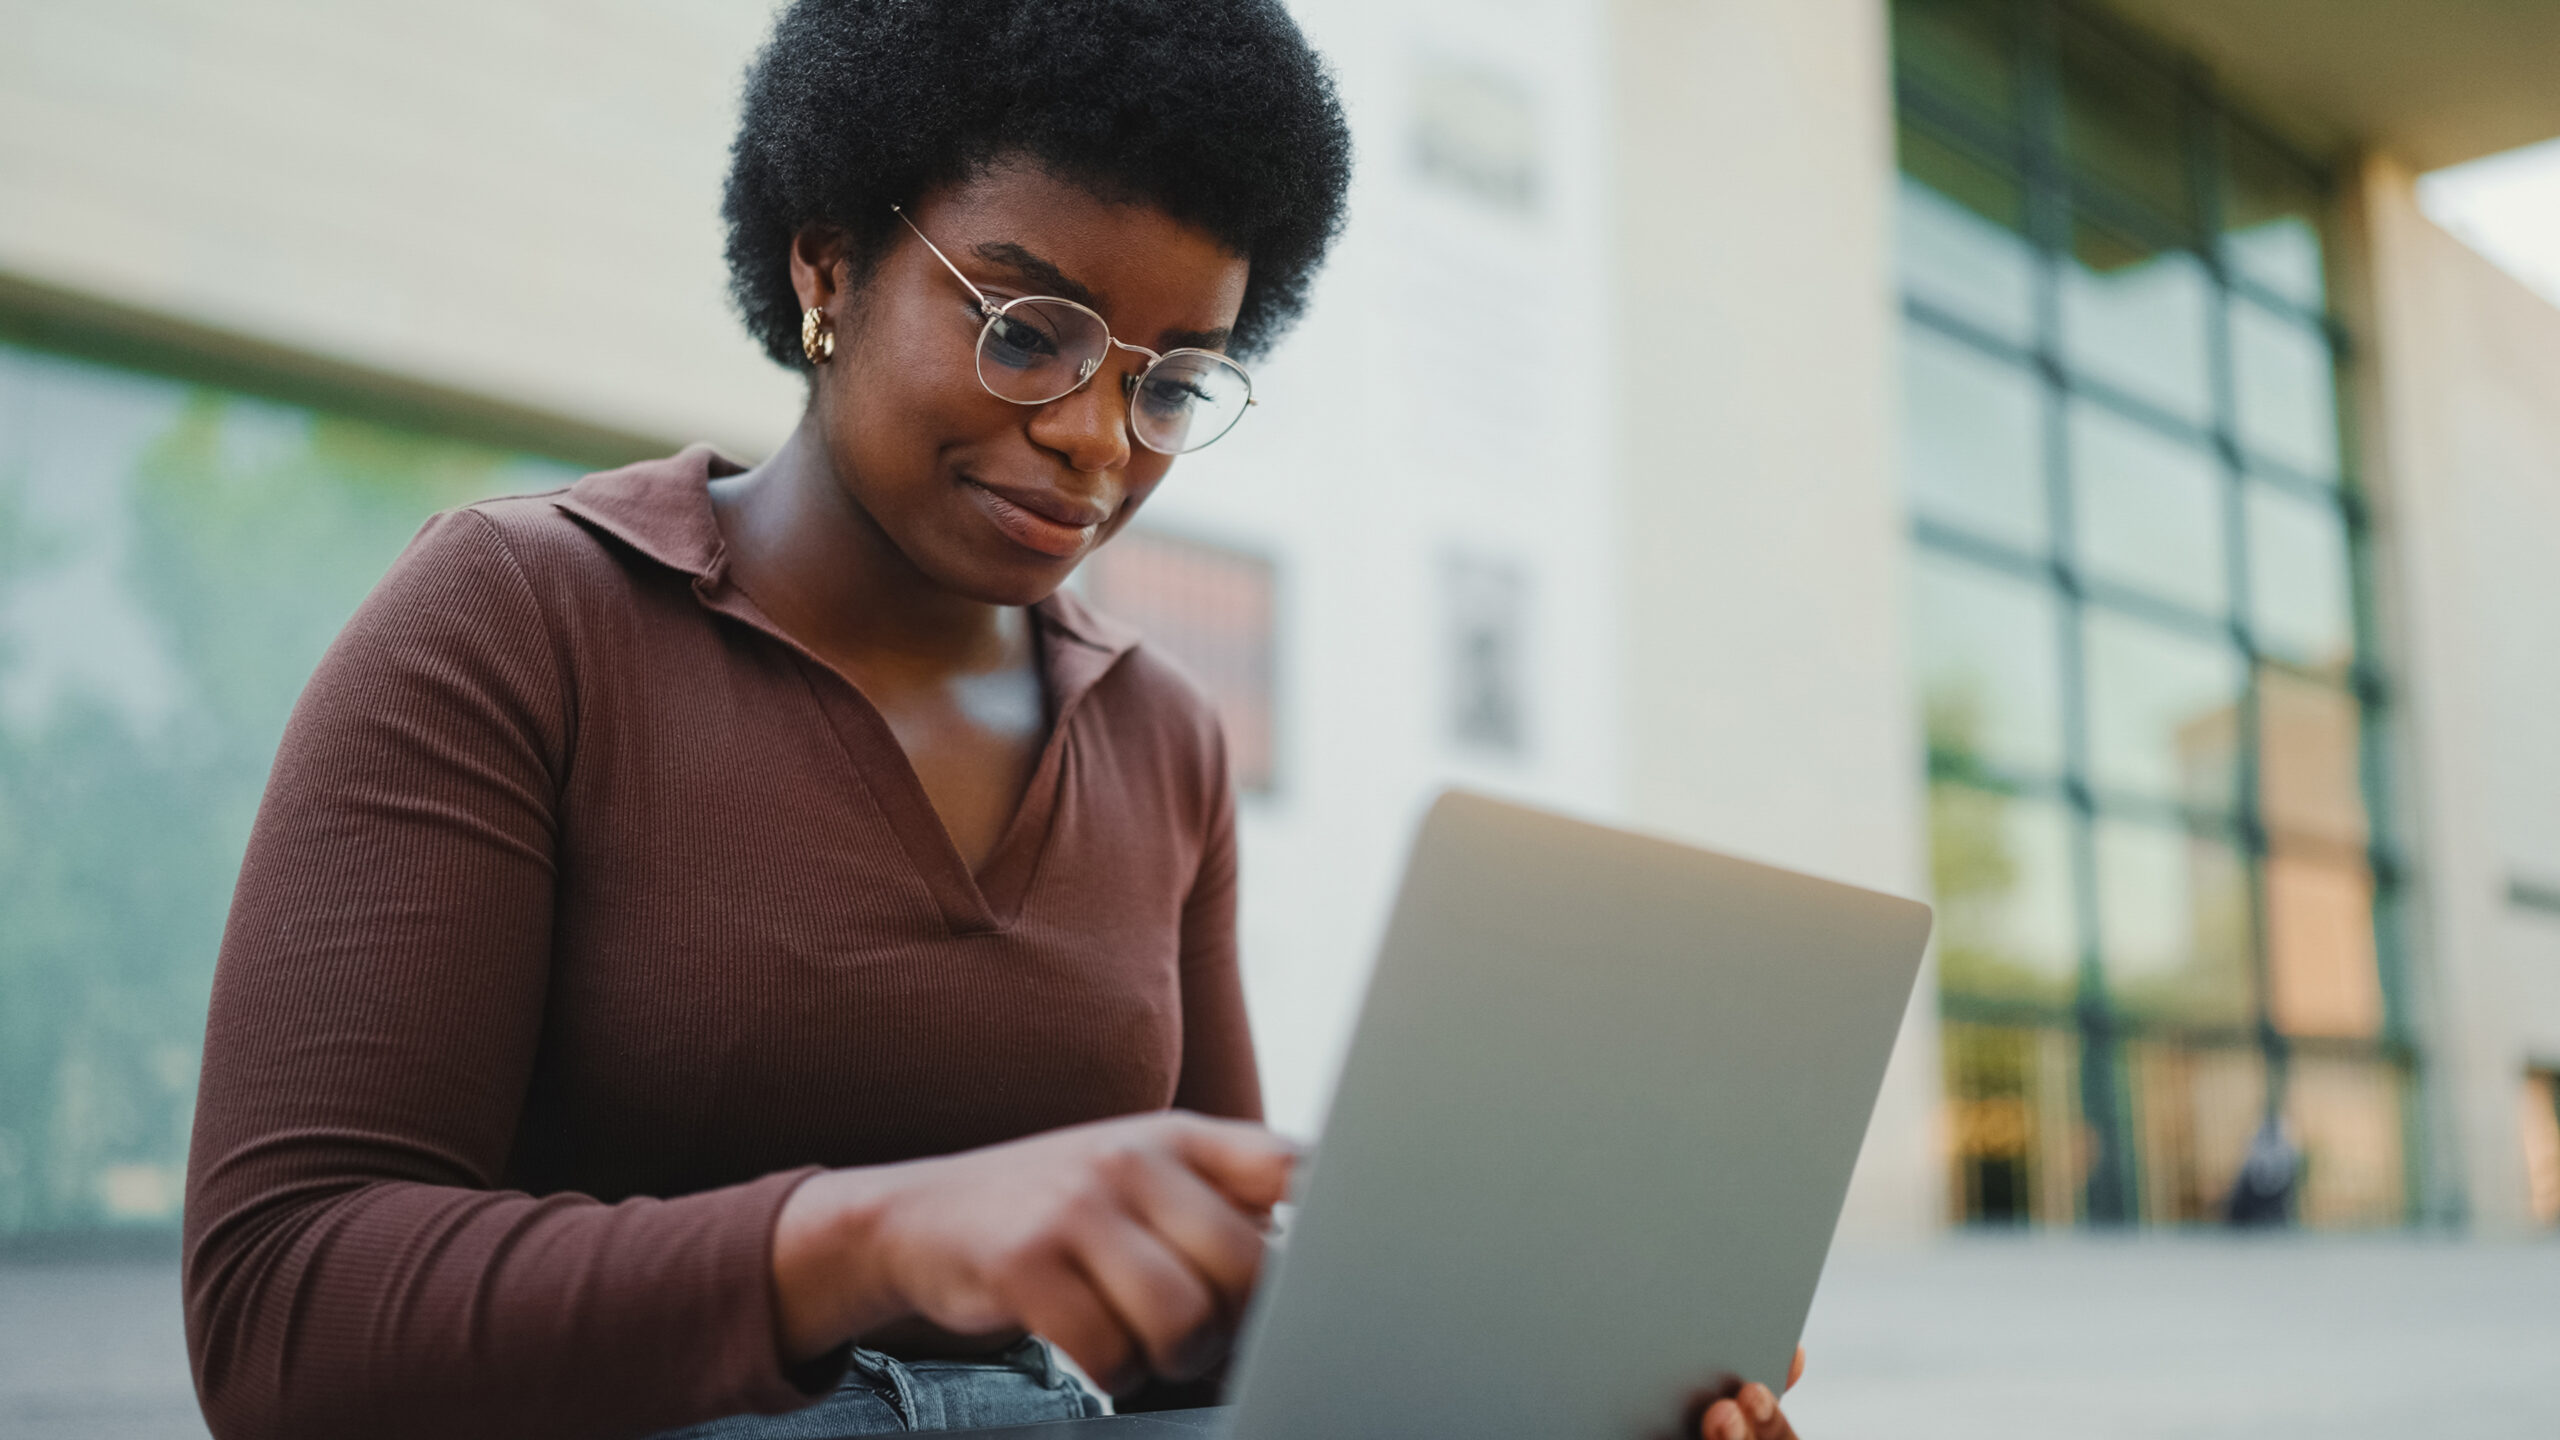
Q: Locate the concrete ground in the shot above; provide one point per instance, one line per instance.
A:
(2056, 1339)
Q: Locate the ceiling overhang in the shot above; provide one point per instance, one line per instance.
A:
(2436, 82)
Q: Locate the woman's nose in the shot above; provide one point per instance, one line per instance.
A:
(1089, 426)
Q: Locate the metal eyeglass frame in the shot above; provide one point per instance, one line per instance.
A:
(1129, 384)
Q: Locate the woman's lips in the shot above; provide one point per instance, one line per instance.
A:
(1038, 530)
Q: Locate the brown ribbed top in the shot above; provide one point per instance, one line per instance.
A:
(586, 912)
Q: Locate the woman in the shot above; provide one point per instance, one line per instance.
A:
(745, 944)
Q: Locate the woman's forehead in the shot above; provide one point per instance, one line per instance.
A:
(1031, 227)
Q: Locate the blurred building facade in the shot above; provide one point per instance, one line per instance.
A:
(2029, 453)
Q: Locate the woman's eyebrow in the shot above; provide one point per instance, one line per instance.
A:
(1049, 278)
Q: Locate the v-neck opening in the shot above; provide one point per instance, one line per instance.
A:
(989, 896)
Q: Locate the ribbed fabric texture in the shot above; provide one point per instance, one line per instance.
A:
(586, 913)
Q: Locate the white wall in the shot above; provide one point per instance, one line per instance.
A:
(1442, 321)
(1768, 695)
(516, 200)
(2463, 455)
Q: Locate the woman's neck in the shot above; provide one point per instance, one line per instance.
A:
(821, 568)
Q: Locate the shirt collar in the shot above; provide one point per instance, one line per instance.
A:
(662, 509)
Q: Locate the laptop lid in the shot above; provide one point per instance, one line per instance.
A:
(1590, 1141)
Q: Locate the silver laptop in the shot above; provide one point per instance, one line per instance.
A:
(1589, 1145)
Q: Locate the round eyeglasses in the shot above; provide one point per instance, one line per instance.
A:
(1040, 348)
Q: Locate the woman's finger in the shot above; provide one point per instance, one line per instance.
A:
(1768, 1422)
(1202, 1226)
(1795, 1372)
(1057, 1302)
(1158, 1299)
(1724, 1421)
(1248, 1164)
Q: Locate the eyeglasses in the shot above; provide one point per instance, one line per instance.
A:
(1040, 348)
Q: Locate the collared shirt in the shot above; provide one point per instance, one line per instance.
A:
(587, 912)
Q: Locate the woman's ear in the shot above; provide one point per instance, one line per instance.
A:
(819, 266)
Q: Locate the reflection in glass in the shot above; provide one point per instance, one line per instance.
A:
(1972, 445)
(173, 560)
(2148, 510)
(2173, 924)
(2299, 603)
(2271, 217)
(2321, 977)
(2194, 1109)
(2000, 867)
(1990, 681)
(1964, 51)
(2345, 1114)
(2134, 317)
(2120, 122)
(2285, 379)
(2310, 765)
(2163, 713)
(2539, 1119)
(1958, 238)
(2020, 1147)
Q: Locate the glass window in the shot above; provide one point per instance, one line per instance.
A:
(2286, 380)
(1212, 610)
(2345, 1114)
(1990, 680)
(2120, 123)
(2148, 729)
(1964, 51)
(2321, 978)
(2001, 866)
(2163, 713)
(2134, 318)
(1973, 440)
(1960, 238)
(173, 560)
(2300, 606)
(1485, 614)
(2272, 213)
(2173, 923)
(2148, 510)
(2194, 1111)
(2310, 760)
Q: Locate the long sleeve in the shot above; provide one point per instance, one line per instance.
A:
(352, 1267)
(1219, 1073)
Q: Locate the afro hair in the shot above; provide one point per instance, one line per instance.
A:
(1216, 112)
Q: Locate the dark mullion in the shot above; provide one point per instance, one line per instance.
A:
(2122, 599)
(1956, 327)
(2276, 475)
(2204, 185)
(1951, 122)
(2109, 1197)
(1981, 550)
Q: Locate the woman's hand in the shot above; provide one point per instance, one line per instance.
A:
(1131, 1244)
(1752, 1413)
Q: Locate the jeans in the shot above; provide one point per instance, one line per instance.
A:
(1023, 1385)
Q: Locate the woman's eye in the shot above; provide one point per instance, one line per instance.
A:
(1173, 394)
(1019, 343)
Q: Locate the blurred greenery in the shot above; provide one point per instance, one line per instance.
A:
(173, 560)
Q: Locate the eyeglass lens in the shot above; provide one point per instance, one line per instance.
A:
(1036, 350)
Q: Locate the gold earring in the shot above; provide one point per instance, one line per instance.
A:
(817, 337)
